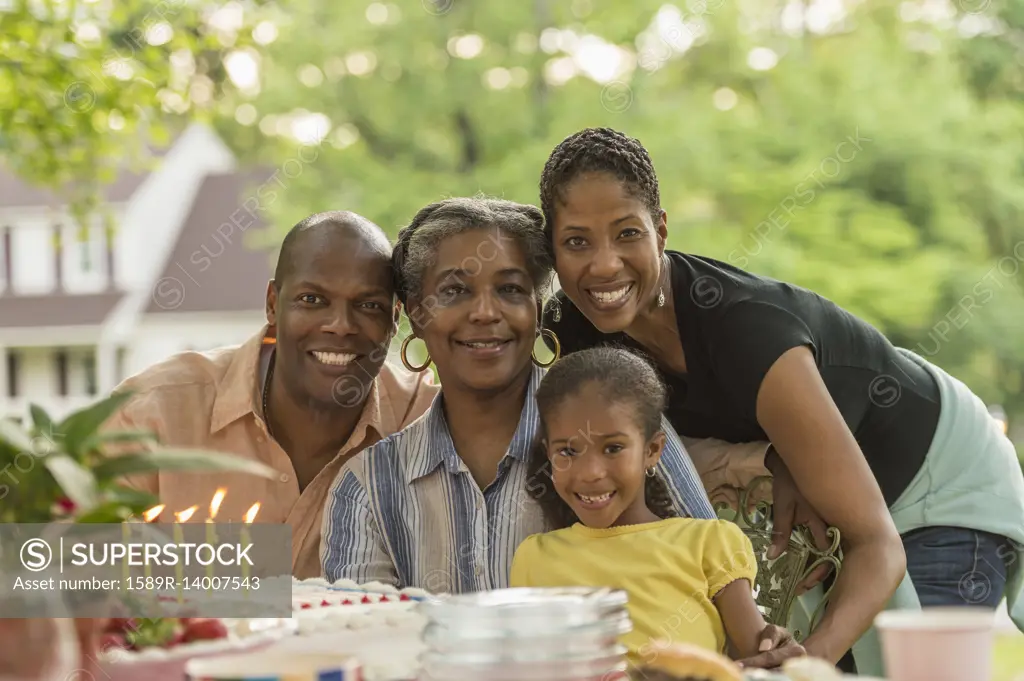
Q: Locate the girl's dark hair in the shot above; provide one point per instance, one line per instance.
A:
(617, 375)
(598, 150)
(417, 243)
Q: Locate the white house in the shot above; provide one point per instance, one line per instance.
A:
(79, 312)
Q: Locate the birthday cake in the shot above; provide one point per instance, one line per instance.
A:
(376, 623)
(318, 605)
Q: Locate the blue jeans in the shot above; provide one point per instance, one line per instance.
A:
(957, 566)
(953, 566)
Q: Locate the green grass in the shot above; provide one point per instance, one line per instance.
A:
(1009, 658)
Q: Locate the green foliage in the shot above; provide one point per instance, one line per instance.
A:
(87, 86)
(865, 165)
(878, 162)
(63, 471)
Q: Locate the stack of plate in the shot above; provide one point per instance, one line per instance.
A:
(525, 634)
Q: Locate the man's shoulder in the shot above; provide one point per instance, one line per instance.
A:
(407, 394)
(184, 385)
(184, 370)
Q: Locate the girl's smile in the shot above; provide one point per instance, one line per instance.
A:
(601, 474)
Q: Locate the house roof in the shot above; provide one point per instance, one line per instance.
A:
(57, 309)
(16, 193)
(213, 267)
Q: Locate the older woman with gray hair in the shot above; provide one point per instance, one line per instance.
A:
(443, 504)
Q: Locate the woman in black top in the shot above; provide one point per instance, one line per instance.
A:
(851, 418)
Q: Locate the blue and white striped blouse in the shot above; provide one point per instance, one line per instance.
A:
(407, 511)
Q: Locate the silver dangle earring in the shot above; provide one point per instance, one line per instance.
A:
(556, 313)
(651, 472)
(661, 297)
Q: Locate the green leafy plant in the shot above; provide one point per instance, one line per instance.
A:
(66, 471)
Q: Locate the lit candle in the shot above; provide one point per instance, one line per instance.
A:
(211, 533)
(250, 516)
(149, 516)
(153, 513)
(179, 539)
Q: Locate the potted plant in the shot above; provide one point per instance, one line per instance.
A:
(66, 471)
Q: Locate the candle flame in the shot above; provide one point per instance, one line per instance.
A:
(183, 516)
(250, 515)
(218, 497)
(153, 513)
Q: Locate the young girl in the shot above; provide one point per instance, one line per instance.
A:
(593, 471)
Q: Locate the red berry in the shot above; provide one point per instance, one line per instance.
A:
(306, 606)
(366, 599)
(403, 597)
(324, 602)
(205, 629)
(384, 599)
(346, 602)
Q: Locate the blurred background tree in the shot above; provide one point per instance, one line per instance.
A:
(870, 150)
(88, 87)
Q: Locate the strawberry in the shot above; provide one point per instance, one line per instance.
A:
(176, 638)
(205, 630)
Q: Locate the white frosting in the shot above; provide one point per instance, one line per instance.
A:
(323, 611)
(383, 631)
(242, 633)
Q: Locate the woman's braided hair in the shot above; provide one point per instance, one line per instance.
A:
(417, 243)
(618, 375)
(598, 150)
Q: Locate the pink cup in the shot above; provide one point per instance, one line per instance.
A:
(937, 644)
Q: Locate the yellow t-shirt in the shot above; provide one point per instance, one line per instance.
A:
(671, 569)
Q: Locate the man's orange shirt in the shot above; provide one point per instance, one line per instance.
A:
(211, 401)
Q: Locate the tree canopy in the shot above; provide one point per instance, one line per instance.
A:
(868, 150)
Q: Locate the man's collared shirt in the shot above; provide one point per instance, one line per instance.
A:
(407, 511)
(212, 401)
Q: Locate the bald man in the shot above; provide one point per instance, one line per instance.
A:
(304, 394)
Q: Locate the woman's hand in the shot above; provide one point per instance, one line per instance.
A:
(776, 645)
(790, 509)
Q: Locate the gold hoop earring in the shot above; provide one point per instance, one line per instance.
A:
(558, 349)
(405, 359)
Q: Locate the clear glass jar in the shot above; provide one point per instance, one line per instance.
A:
(569, 634)
(588, 638)
(524, 610)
